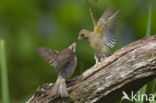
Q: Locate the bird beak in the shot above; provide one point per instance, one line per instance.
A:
(73, 47)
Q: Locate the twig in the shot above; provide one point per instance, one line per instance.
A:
(91, 13)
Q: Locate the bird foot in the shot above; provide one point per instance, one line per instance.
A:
(102, 59)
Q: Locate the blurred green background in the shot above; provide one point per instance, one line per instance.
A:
(26, 24)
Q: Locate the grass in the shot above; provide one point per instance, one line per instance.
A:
(149, 88)
(5, 91)
(148, 33)
(142, 91)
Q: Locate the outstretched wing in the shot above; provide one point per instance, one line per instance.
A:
(48, 55)
(107, 25)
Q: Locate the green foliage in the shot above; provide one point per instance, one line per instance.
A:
(149, 22)
(142, 91)
(26, 24)
(5, 93)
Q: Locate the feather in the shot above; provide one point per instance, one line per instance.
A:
(48, 55)
(107, 24)
(107, 14)
(59, 88)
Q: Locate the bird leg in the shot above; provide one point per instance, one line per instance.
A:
(96, 59)
(101, 59)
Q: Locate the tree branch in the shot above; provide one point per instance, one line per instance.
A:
(128, 69)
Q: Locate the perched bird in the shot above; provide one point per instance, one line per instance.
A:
(64, 62)
(103, 36)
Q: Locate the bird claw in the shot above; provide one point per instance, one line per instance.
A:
(97, 61)
(102, 59)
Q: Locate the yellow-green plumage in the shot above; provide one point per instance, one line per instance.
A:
(103, 36)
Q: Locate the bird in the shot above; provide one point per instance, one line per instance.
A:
(64, 63)
(102, 38)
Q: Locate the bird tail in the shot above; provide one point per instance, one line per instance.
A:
(60, 88)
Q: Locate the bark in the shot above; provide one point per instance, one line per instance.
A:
(128, 69)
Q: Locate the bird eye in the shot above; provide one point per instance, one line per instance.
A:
(82, 35)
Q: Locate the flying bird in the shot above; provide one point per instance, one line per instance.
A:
(102, 38)
(64, 63)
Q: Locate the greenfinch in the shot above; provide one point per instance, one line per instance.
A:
(64, 62)
(102, 39)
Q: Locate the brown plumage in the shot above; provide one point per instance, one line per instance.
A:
(64, 62)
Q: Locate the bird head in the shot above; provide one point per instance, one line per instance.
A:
(73, 47)
(83, 34)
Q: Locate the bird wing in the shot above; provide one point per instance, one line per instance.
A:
(64, 56)
(107, 25)
(63, 59)
(48, 55)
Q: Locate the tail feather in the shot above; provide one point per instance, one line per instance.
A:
(60, 88)
(63, 89)
(54, 90)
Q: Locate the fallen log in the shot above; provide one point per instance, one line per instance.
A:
(128, 69)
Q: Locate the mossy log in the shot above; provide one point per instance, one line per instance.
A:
(128, 69)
